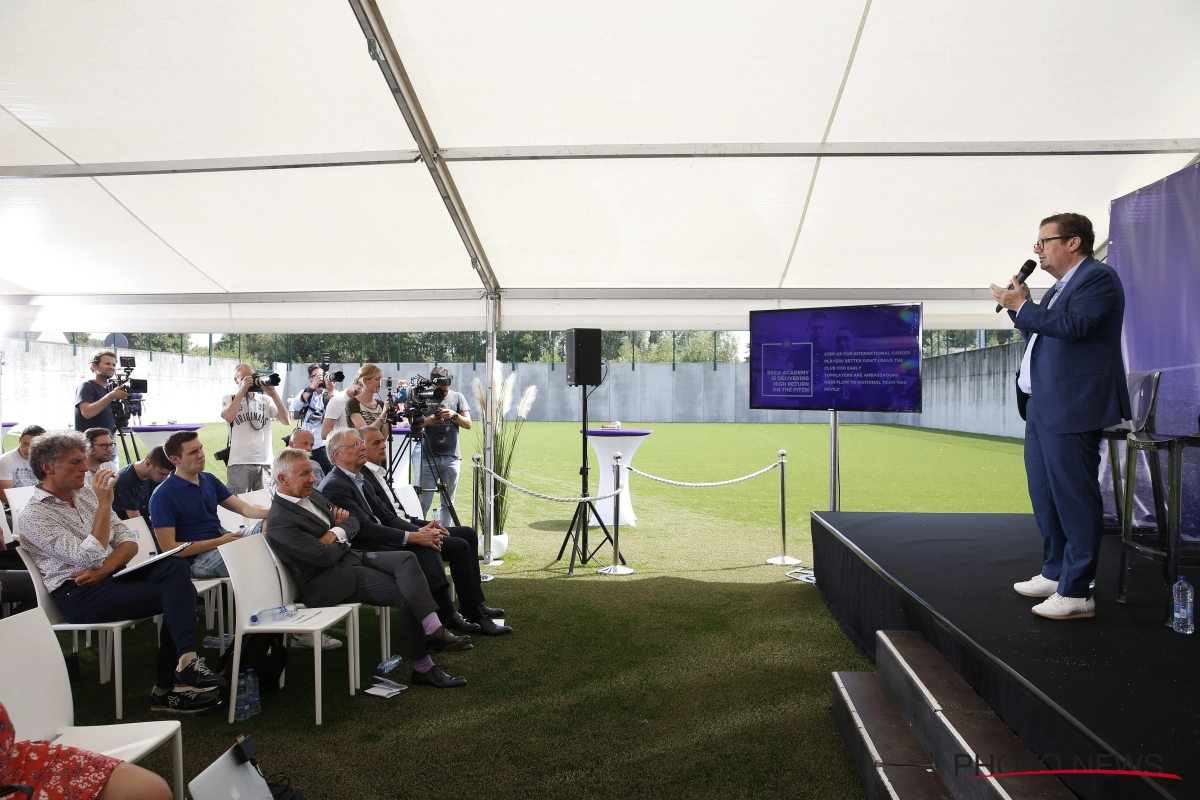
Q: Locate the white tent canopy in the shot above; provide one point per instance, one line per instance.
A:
(318, 165)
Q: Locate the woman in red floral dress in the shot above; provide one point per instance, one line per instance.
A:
(67, 773)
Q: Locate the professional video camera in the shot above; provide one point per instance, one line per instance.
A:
(257, 382)
(336, 377)
(424, 398)
(395, 399)
(136, 387)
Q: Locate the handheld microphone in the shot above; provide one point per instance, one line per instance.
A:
(1026, 270)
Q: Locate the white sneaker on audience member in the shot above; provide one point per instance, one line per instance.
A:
(1058, 607)
(305, 641)
(1037, 586)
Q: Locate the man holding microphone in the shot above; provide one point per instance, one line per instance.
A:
(1071, 386)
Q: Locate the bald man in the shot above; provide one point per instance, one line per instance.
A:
(302, 439)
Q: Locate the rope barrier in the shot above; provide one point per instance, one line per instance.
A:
(549, 497)
(762, 471)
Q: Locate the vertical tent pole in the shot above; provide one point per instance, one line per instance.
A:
(491, 314)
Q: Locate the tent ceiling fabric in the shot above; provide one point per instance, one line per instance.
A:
(137, 81)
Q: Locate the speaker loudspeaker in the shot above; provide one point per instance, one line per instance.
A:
(583, 357)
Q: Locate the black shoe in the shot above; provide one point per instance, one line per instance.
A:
(488, 627)
(198, 677)
(437, 678)
(184, 701)
(457, 623)
(491, 612)
(443, 640)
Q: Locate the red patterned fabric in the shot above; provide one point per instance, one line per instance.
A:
(55, 773)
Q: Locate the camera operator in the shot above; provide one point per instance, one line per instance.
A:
(249, 414)
(440, 457)
(93, 400)
(309, 410)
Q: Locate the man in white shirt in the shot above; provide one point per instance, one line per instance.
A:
(101, 452)
(249, 413)
(15, 471)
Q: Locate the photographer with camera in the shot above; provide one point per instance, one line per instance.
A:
(440, 456)
(249, 415)
(94, 399)
(309, 408)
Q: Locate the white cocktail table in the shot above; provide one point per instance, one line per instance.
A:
(605, 442)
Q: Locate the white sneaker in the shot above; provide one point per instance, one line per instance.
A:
(1037, 586)
(305, 641)
(1058, 607)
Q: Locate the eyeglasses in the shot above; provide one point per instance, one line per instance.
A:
(105, 445)
(1040, 244)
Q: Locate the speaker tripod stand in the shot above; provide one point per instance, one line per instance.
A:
(585, 509)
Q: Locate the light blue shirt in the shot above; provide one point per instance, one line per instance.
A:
(1025, 379)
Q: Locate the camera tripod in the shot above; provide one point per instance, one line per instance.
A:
(585, 509)
(396, 455)
(122, 432)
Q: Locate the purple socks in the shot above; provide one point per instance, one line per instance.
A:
(431, 623)
(423, 664)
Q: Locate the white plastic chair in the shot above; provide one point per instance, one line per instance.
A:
(8, 537)
(409, 499)
(256, 587)
(18, 498)
(259, 497)
(109, 633)
(37, 693)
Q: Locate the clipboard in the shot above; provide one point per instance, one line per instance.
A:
(149, 561)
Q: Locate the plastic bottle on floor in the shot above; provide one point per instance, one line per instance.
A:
(253, 705)
(1184, 596)
(241, 709)
(387, 666)
(269, 615)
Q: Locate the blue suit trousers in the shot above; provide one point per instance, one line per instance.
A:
(1063, 472)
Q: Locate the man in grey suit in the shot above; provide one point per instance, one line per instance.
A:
(314, 541)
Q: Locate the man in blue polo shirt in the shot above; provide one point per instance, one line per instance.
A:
(184, 508)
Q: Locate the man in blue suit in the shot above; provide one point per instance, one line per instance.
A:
(1071, 385)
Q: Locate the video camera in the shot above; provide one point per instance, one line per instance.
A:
(336, 377)
(136, 387)
(424, 397)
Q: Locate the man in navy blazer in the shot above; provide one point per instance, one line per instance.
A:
(1070, 386)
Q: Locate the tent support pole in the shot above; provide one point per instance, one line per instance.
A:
(492, 316)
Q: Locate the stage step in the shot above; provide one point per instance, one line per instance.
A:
(889, 759)
(962, 735)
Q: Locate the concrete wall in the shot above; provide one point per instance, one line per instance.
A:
(38, 385)
(970, 391)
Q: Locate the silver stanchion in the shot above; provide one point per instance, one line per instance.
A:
(478, 512)
(616, 568)
(783, 560)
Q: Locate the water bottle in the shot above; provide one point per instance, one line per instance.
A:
(387, 666)
(1184, 596)
(253, 706)
(269, 615)
(241, 710)
(433, 514)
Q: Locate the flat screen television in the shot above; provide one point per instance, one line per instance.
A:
(844, 358)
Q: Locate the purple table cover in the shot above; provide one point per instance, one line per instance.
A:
(186, 426)
(619, 432)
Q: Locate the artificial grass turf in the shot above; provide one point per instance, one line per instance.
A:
(705, 673)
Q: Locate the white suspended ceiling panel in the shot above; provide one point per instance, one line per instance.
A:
(141, 80)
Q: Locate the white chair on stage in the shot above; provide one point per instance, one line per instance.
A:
(4, 531)
(109, 633)
(35, 689)
(256, 587)
(18, 498)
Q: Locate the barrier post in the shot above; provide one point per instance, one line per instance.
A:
(783, 560)
(475, 492)
(616, 568)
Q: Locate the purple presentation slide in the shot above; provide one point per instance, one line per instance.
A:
(848, 358)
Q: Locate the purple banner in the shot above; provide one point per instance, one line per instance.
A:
(848, 358)
(1154, 245)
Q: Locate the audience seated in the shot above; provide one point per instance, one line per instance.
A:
(184, 508)
(14, 466)
(101, 451)
(316, 542)
(382, 528)
(302, 439)
(68, 773)
(77, 543)
(137, 481)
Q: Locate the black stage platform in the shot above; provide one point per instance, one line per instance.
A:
(1122, 683)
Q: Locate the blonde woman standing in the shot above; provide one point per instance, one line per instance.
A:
(365, 408)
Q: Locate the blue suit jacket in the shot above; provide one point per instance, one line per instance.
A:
(1077, 373)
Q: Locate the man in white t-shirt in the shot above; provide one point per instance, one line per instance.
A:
(15, 471)
(249, 414)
